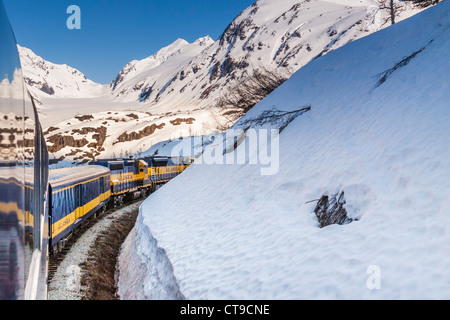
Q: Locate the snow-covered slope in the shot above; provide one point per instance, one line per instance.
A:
(377, 129)
(46, 79)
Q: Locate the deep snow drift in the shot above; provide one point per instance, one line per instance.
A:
(228, 232)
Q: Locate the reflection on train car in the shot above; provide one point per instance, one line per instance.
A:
(23, 181)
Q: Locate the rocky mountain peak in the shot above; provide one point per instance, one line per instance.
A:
(59, 80)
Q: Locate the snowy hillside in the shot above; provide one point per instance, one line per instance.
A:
(377, 130)
(46, 79)
(118, 133)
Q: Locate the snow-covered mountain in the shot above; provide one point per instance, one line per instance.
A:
(273, 35)
(140, 77)
(176, 90)
(45, 79)
(377, 128)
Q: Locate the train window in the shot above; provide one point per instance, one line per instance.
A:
(116, 166)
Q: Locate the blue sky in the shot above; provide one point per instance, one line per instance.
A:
(114, 32)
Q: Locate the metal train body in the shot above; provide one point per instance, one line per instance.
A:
(24, 225)
(40, 208)
(133, 178)
(74, 196)
(162, 169)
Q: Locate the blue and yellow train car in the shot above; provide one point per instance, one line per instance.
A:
(75, 195)
(129, 178)
(163, 169)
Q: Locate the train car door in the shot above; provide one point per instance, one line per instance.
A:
(79, 209)
(102, 191)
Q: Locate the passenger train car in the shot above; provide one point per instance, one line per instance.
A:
(74, 196)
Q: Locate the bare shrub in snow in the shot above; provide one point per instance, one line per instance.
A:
(277, 118)
(330, 210)
(385, 74)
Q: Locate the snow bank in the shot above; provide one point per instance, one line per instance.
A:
(231, 233)
(146, 281)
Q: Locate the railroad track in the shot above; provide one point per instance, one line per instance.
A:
(55, 260)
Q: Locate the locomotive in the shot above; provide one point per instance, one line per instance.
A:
(41, 208)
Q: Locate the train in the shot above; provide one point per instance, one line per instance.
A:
(40, 208)
(77, 194)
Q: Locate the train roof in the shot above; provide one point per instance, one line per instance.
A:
(113, 160)
(150, 161)
(73, 175)
(167, 160)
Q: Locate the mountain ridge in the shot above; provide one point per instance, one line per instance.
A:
(183, 82)
(47, 79)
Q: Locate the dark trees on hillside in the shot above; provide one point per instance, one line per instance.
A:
(394, 8)
(426, 3)
(247, 93)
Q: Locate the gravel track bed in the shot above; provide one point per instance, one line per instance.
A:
(87, 270)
